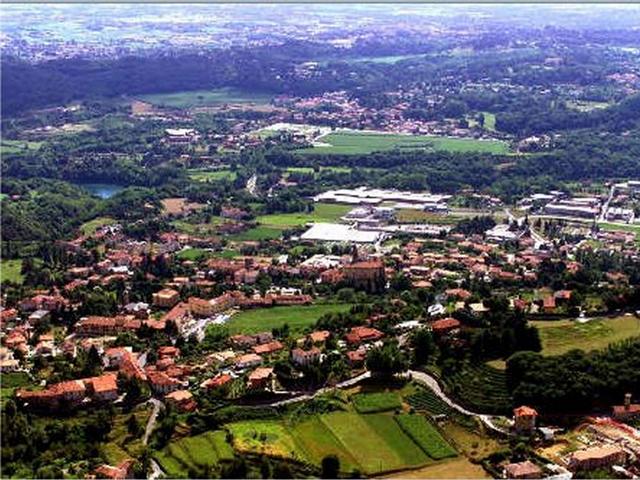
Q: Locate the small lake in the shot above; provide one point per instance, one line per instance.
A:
(102, 190)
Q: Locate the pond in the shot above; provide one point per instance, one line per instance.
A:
(102, 190)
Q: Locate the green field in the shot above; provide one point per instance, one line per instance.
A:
(376, 444)
(265, 319)
(489, 121)
(211, 175)
(269, 437)
(323, 212)
(561, 336)
(11, 271)
(376, 402)
(256, 234)
(423, 399)
(8, 147)
(615, 227)
(480, 388)
(194, 454)
(120, 445)
(310, 170)
(354, 143)
(317, 441)
(203, 98)
(426, 436)
(90, 227)
(193, 254)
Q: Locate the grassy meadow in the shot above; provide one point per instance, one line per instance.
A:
(323, 212)
(11, 271)
(205, 98)
(297, 317)
(356, 143)
(560, 336)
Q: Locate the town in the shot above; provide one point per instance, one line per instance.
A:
(315, 260)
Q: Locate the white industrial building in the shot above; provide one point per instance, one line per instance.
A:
(337, 232)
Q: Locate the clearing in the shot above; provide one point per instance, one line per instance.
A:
(194, 454)
(323, 212)
(90, 227)
(11, 271)
(203, 98)
(560, 336)
(358, 143)
(297, 317)
(199, 175)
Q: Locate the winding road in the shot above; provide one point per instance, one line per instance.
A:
(156, 471)
(432, 383)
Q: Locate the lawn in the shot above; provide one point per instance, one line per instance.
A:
(297, 317)
(11, 271)
(376, 402)
(356, 143)
(489, 121)
(323, 212)
(203, 98)
(211, 175)
(426, 436)
(412, 215)
(90, 227)
(193, 254)
(194, 454)
(561, 336)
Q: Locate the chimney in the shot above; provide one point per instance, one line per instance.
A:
(627, 401)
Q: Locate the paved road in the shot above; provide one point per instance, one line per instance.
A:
(534, 235)
(157, 405)
(432, 383)
(309, 396)
(156, 471)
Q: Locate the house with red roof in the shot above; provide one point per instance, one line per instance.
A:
(445, 325)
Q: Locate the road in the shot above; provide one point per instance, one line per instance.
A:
(252, 184)
(345, 384)
(156, 471)
(432, 383)
(605, 207)
(157, 405)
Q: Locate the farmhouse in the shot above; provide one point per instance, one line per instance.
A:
(524, 419)
(261, 377)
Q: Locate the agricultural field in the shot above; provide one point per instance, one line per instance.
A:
(323, 212)
(268, 437)
(205, 98)
(375, 450)
(480, 388)
(199, 175)
(317, 441)
(355, 143)
(426, 436)
(423, 399)
(11, 271)
(458, 467)
(560, 336)
(297, 317)
(194, 454)
(376, 402)
(469, 441)
(90, 227)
